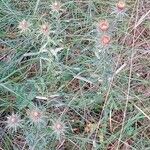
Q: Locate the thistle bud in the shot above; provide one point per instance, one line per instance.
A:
(121, 5)
(104, 25)
(105, 40)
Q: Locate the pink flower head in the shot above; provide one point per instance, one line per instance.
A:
(120, 10)
(105, 40)
(121, 5)
(103, 25)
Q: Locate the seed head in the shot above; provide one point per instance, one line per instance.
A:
(36, 116)
(121, 5)
(13, 122)
(45, 29)
(24, 25)
(56, 6)
(104, 25)
(105, 40)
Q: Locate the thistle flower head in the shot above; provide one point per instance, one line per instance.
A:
(105, 40)
(121, 5)
(59, 128)
(103, 25)
(120, 9)
(13, 122)
(24, 25)
(45, 29)
(36, 116)
(56, 6)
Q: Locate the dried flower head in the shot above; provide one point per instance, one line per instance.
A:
(121, 5)
(105, 40)
(24, 26)
(45, 29)
(36, 116)
(104, 25)
(13, 122)
(56, 6)
(58, 128)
